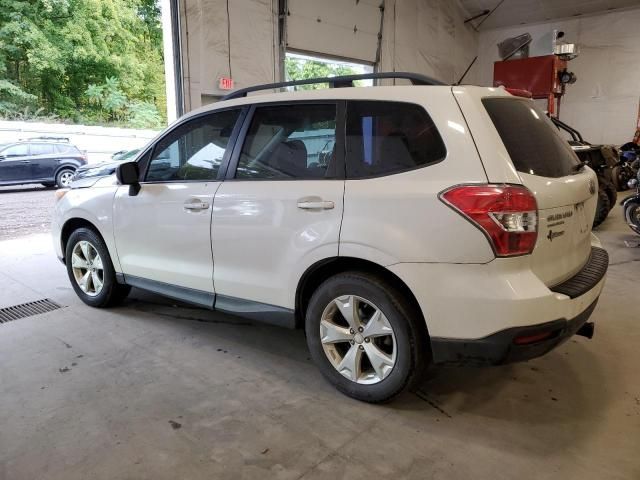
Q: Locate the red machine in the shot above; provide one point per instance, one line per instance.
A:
(545, 77)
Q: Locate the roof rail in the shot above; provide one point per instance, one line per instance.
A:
(56, 139)
(337, 82)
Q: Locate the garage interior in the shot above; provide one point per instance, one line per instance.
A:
(158, 389)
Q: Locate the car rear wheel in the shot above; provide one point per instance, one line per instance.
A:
(65, 177)
(365, 337)
(90, 270)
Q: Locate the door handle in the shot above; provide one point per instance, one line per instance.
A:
(195, 207)
(25, 161)
(315, 204)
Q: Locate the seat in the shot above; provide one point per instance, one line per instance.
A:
(290, 158)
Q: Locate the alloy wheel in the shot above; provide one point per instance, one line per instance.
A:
(87, 267)
(358, 339)
(66, 178)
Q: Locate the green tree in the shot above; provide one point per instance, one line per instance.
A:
(303, 69)
(56, 50)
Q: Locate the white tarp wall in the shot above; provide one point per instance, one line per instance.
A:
(424, 36)
(244, 49)
(429, 37)
(603, 103)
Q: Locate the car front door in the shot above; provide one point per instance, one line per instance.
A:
(280, 208)
(15, 165)
(163, 234)
(43, 161)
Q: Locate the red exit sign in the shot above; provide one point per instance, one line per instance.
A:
(225, 83)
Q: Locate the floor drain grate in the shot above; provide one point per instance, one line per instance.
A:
(29, 309)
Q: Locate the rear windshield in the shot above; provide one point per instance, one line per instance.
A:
(530, 138)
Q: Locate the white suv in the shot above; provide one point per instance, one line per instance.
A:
(400, 226)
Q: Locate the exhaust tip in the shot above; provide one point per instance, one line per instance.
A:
(586, 330)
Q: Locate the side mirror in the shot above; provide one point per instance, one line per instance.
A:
(128, 173)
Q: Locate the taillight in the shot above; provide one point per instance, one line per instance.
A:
(507, 214)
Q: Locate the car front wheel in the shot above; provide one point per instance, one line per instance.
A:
(365, 337)
(90, 270)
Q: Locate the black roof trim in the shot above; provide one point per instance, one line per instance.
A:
(337, 82)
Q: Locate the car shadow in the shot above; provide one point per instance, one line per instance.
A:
(538, 407)
(25, 189)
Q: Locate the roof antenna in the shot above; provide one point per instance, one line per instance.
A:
(467, 70)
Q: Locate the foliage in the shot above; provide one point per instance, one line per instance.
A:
(13, 98)
(109, 101)
(302, 69)
(144, 115)
(81, 59)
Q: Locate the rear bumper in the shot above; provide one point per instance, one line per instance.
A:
(475, 312)
(503, 347)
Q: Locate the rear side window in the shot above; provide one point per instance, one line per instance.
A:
(41, 149)
(290, 142)
(530, 138)
(383, 138)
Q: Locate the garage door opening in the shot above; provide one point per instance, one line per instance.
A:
(300, 66)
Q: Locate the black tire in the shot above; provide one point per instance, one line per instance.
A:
(616, 178)
(61, 175)
(412, 354)
(602, 208)
(610, 190)
(632, 216)
(112, 292)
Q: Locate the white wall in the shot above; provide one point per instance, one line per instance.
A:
(208, 44)
(603, 103)
(429, 37)
(423, 36)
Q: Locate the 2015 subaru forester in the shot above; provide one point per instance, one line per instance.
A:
(398, 225)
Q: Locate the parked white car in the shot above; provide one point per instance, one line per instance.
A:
(447, 225)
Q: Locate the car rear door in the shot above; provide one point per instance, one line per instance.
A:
(280, 208)
(163, 233)
(526, 142)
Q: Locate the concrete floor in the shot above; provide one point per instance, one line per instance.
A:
(152, 390)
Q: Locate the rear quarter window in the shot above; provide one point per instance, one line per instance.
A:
(530, 137)
(383, 138)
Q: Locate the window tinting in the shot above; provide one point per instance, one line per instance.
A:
(16, 150)
(194, 151)
(530, 138)
(389, 137)
(41, 149)
(292, 141)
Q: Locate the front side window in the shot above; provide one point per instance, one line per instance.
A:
(16, 151)
(193, 151)
(290, 142)
(383, 138)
